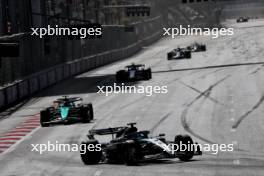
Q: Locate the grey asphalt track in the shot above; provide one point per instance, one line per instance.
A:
(223, 105)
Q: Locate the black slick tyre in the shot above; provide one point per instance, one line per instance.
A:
(130, 155)
(44, 118)
(187, 141)
(84, 113)
(90, 157)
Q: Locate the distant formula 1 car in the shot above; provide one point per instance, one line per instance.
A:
(179, 53)
(242, 19)
(130, 146)
(133, 73)
(66, 110)
(197, 47)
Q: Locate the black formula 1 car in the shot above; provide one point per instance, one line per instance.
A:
(179, 53)
(242, 19)
(131, 147)
(66, 110)
(133, 72)
(197, 47)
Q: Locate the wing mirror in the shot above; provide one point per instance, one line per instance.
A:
(90, 136)
(161, 135)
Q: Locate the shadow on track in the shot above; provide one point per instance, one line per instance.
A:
(81, 85)
(153, 162)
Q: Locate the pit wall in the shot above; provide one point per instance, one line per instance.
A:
(91, 54)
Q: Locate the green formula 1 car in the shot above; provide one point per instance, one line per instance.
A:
(66, 110)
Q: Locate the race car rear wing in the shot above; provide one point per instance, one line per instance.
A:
(106, 131)
(135, 66)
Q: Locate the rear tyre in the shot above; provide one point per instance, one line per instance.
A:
(150, 73)
(177, 141)
(120, 76)
(85, 114)
(203, 48)
(44, 117)
(91, 113)
(130, 155)
(169, 56)
(187, 141)
(90, 157)
(188, 55)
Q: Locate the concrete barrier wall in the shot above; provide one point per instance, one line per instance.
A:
(11, 94)
(23, 89)
(14, 93)
(2, 98)
(33, 85)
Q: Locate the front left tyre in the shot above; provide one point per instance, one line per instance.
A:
(90, 157)
(130, 155)
(185, 140)
(91, 112)
(87, 113)
(44, 118)
(120, 76)
(147, 74)
(169, 56)
(203, 47)
(188, 54)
